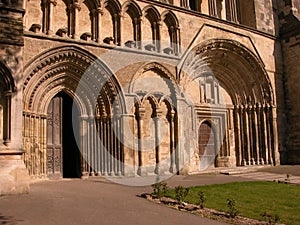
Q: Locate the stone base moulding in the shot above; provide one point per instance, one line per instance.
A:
(14, 178)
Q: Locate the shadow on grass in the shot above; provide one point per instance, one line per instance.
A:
(8, 220)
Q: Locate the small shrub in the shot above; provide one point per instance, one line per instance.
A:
(232, 209)
(288, 176)
(159, 189)
(270, 219)
(181, 193)
(202, 199)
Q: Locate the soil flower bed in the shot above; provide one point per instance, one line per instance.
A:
(204, 212)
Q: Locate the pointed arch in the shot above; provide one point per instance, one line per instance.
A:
(162, 71)
(170, 18)
(226, 59)
(132, 8)
(151, 13)
(170, 33)
(242, 76)
(6, 78)
(113, 8)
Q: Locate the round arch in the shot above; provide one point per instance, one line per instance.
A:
(95, 90)
(73, 70)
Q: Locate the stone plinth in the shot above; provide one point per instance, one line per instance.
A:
(14, 178)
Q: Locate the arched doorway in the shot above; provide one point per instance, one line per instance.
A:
(206, 144)
(63, 155)
(99, 110)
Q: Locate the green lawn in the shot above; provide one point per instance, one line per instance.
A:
(252, 198)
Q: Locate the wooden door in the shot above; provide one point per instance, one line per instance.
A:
(206, 142)
(54, 138)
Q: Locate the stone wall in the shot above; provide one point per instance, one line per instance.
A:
(14, 177)
(290, 35)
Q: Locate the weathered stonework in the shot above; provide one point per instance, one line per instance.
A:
(159, 87)
(14, 177)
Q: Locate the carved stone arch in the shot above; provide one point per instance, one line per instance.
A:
(51, 78)
(113, 6)
(6, 78)
(222, 55)
(151, 13)
(152, 99)
(132, 8)
(161, 71)
(75, 65)
(7, 88)
(92, 4)
(170, 19)
(252, 112)
(168, 101)
(114, 9)
(170, 32)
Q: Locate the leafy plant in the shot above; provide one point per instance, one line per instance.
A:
(181, 193)
(232, 209)
(159, 189)
(202, 199)
(270, 218)
(288, 176)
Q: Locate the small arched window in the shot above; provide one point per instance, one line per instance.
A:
(131, 24)
(151, 38)
(170, 34)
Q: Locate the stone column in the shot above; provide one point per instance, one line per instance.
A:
(265, 134)
(269, 131)
(157, 118)
(233, 10)
(99, 13)
(93, 150)
(243, 140)
(251, 139)
(118, 35)
(171, 118)
(275, 136)
(75, 8)
(118, 159)
(7, 140)
(256, 134)
(213, 8)
(247, 141)
(105, 143)
(223, 11)
(83, 135)
(140, 44)
(135, 30)
(51, 4)
(238, 134)
(110, 146)
(177, 41)
(141, 169)
(98, 145)
(158, 40)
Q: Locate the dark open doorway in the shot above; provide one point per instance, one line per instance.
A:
(63, 155)
(70, 133)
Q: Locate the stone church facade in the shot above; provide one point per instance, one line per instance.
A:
(126, 88)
